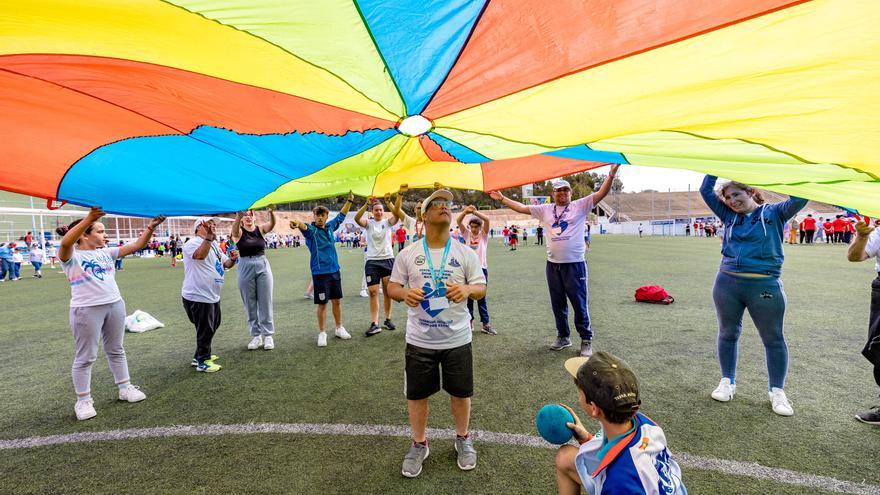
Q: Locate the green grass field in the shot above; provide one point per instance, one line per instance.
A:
(672, 349)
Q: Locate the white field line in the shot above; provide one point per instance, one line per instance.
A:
(725, 466)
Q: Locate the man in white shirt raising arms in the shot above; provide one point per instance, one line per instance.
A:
(434, 277)
(563, 221)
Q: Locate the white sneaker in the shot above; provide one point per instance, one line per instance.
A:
(131, 393)
(85, 409)
(725, 390)
(255, 343)
(322, 339)
(342, 333)
(780, 403)
(269, 343)
(364, 293)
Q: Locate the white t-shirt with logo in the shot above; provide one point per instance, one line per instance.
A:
(431, 325)
(379, 240)
(478, 243)
(202, 279)
(872, 248)
(92, 276)
(564, 229)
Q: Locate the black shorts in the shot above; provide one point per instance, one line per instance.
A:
(327, 286)
(425, 366)
(376, 270)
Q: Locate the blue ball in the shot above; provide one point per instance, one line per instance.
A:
(551, 421)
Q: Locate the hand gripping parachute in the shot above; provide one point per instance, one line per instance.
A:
(198, 106)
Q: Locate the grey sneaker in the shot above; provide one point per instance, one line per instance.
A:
(489, 329)
(467, 455)
(586, 348)
(412, 462)
(560, 344)
(871, 416)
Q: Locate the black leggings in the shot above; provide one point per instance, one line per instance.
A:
(877, 375)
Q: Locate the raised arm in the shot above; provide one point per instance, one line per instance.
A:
(141, 241)
(72, 235)
(484, 218)
(512, 204)
(236, 226)
(348, 202)
(394, 216)
(268, 226)
(459, 220)
(707, 191)
(606, 185)
(791, 206)
(204, 248)
(856, 250)
(359, 216)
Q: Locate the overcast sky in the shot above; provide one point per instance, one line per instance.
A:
(637, 178)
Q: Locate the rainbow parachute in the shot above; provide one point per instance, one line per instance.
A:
(198, 106)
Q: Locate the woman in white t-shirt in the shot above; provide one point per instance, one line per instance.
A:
(97, 310)
(476, 237)
(379, 260)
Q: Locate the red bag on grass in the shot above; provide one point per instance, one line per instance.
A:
(654, 294)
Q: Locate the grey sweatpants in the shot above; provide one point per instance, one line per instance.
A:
(255, 283)
(88, 324)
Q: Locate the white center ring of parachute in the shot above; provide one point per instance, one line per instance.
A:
(414, 125)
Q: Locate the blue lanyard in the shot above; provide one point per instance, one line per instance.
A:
(434, 277)
(557, 216)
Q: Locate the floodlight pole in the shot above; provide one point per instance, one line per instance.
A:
(33, 220)
(42, 235)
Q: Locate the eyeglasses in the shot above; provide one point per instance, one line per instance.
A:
(437, 203)
(562, 189)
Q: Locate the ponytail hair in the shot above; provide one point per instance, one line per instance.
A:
(64, 229)
(751, 191)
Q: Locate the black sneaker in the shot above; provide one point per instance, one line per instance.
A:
(871, 416)
(388, 325)
(560, 344)
(374, 329)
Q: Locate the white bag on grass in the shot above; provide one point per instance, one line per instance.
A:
(141, 321)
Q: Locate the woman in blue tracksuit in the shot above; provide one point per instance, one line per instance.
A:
(749, 279)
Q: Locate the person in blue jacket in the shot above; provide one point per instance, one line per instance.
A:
(748, 278)
(324, 264)
(5, 261)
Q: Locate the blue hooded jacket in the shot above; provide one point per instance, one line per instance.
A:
(752, 243)
(321, 244)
